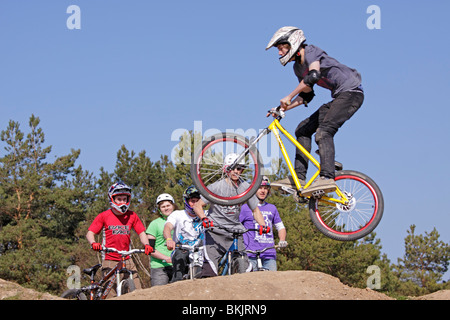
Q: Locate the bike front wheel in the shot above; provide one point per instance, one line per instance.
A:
(127, 286)
(239, 264)
(73, 294)
(208, 167)
(358, 217)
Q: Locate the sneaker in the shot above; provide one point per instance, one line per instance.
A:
(287, 185)
(322, 183)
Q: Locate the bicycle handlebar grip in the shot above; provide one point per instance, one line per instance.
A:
(278, 112)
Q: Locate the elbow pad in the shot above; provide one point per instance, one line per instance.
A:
(307, 96)
(312, 78)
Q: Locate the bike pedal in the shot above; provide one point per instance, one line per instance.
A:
(299, 199)
(288, 190)
(318, 194)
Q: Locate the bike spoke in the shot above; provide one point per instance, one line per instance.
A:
(355, 214)
(209, 168)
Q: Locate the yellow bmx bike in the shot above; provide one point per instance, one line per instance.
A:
(351, 212)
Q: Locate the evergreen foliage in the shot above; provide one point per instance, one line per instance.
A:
(46, 207)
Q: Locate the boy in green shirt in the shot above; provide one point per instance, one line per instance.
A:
(161, 270)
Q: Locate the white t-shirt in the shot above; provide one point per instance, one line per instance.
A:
(186, 229)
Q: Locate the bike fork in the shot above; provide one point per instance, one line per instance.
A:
(121, 282)
(118, 284)
(251, 145)
(259, 262)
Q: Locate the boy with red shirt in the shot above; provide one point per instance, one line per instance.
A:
(116, 224)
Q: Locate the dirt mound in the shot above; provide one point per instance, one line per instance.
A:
(13, 291)
(281, 285)
(438, 295)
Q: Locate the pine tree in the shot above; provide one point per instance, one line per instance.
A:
(41, 205)
(424, 263)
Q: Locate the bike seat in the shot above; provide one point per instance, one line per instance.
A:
(92, 270)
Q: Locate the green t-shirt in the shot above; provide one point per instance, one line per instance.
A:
(155, 229)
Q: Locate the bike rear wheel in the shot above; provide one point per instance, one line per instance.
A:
(356, 219)
(207, 167)
(73, 294)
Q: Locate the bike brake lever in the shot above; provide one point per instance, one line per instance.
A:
(280, 113)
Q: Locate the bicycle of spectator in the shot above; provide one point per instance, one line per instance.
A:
(100, 290)
(234, 260)
(195, 259)
(351, 212)
(259, 266)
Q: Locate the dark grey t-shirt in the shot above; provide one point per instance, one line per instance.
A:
(334, 75)
(228, 216)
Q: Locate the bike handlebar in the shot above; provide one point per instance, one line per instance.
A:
(280, 114)
(234, 230)
(263, 250)
(123, 253)
(189, 247)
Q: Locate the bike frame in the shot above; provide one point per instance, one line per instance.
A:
(226, 259)
(114, 276)
(277, 130)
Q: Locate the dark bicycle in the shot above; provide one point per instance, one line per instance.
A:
(100, 290)
(195, 257)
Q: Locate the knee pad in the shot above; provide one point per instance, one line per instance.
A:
(322, 133)
(319, 135)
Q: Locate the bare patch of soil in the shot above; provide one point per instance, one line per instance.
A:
(13, 291)
(281, 285)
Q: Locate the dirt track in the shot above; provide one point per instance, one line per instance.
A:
(283, 285)
(13, 291)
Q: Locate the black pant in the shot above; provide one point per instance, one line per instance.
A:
(180, 262)
(325, 122)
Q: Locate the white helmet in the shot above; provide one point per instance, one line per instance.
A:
(290, 35)
(231, 158)
(164, 197)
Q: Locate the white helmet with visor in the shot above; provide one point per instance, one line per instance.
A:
(287, 35)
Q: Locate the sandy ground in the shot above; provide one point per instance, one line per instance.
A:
(283, 285)
(13, 291)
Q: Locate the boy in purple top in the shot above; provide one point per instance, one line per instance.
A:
(313, 66)
(253, 240)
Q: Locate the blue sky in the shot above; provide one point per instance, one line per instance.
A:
(137, 71)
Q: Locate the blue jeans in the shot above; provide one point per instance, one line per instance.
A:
(269, 264)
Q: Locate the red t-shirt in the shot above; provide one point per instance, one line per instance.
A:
(116, 230)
